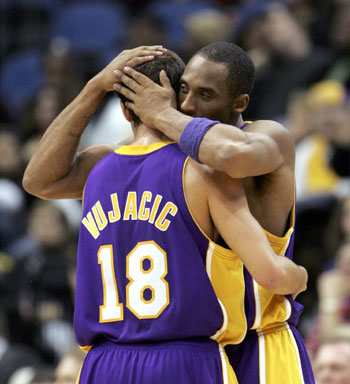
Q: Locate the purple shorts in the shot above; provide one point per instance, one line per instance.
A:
(274, 356)
(173, 362)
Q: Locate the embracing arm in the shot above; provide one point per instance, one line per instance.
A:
(242, 233)
(260, 149)
(56, 170)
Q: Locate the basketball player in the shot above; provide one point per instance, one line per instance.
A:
(145, 307)
(216, 85)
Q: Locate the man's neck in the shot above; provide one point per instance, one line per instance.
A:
(238, 122)
(147, 136)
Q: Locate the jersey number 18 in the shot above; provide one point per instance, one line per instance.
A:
(147, 293)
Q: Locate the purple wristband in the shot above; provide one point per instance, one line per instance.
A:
(192, 135)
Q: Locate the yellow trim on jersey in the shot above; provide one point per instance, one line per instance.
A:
(78, 377)
(228, 375)
(223, 252)
(85, 348)
(225, 271)
(141, 149)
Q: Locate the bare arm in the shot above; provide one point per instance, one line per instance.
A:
(56, 170)
(258, 150)
(231, 216)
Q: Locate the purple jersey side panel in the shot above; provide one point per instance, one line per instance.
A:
(141, 259)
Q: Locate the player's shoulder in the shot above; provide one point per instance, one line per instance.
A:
(267, 126)
(275, 131)
(99, 150)
(90, 156)
(208, 178)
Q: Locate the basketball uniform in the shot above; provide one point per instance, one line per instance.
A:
(272, 351)
(259, 332)
(145, 307)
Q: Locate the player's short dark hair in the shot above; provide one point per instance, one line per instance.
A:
(241, 74)
(173, 66)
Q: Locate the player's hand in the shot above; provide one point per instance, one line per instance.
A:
(105, 79)
(303, 282)
(147, 98)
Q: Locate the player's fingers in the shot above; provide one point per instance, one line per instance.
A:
(138, 77)
(146, 49)
(126, 80)
(124, 91)
(164, 79)
(139, 60)
(154, 50)
(129, 105)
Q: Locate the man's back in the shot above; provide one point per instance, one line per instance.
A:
(144, 300)
(136, 230)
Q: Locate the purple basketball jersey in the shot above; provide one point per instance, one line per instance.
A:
(141, 272)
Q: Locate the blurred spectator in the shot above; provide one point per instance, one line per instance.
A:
(334, 293)
(204, 27)
(338, 229)
(43, 375)
(67, 70)
(323, 155)
(318, 120)
(145, 29)
(285, 57)
(11, 166)
(69, 367)
(339, 70)
(331, 363)
(19, 358)
(12, 197)
(40, 112)
(12, 203)
(297, 121)
(37, 293)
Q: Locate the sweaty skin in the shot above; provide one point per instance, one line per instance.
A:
(262, 155)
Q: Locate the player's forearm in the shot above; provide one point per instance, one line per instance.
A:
(224, 147)
(54, 156)
(219, 145)
(291, 279)
(171, 122)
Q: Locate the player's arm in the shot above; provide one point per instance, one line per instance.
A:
(231, 216)
(56, 170)
(260, 149)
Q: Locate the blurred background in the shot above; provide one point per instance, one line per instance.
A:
(50, 48)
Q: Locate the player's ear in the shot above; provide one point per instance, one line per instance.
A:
(240, 103)
(126, 112)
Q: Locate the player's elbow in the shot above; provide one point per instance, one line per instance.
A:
(232, 159)
(276, 280)
(31, 186)
(28, 184)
